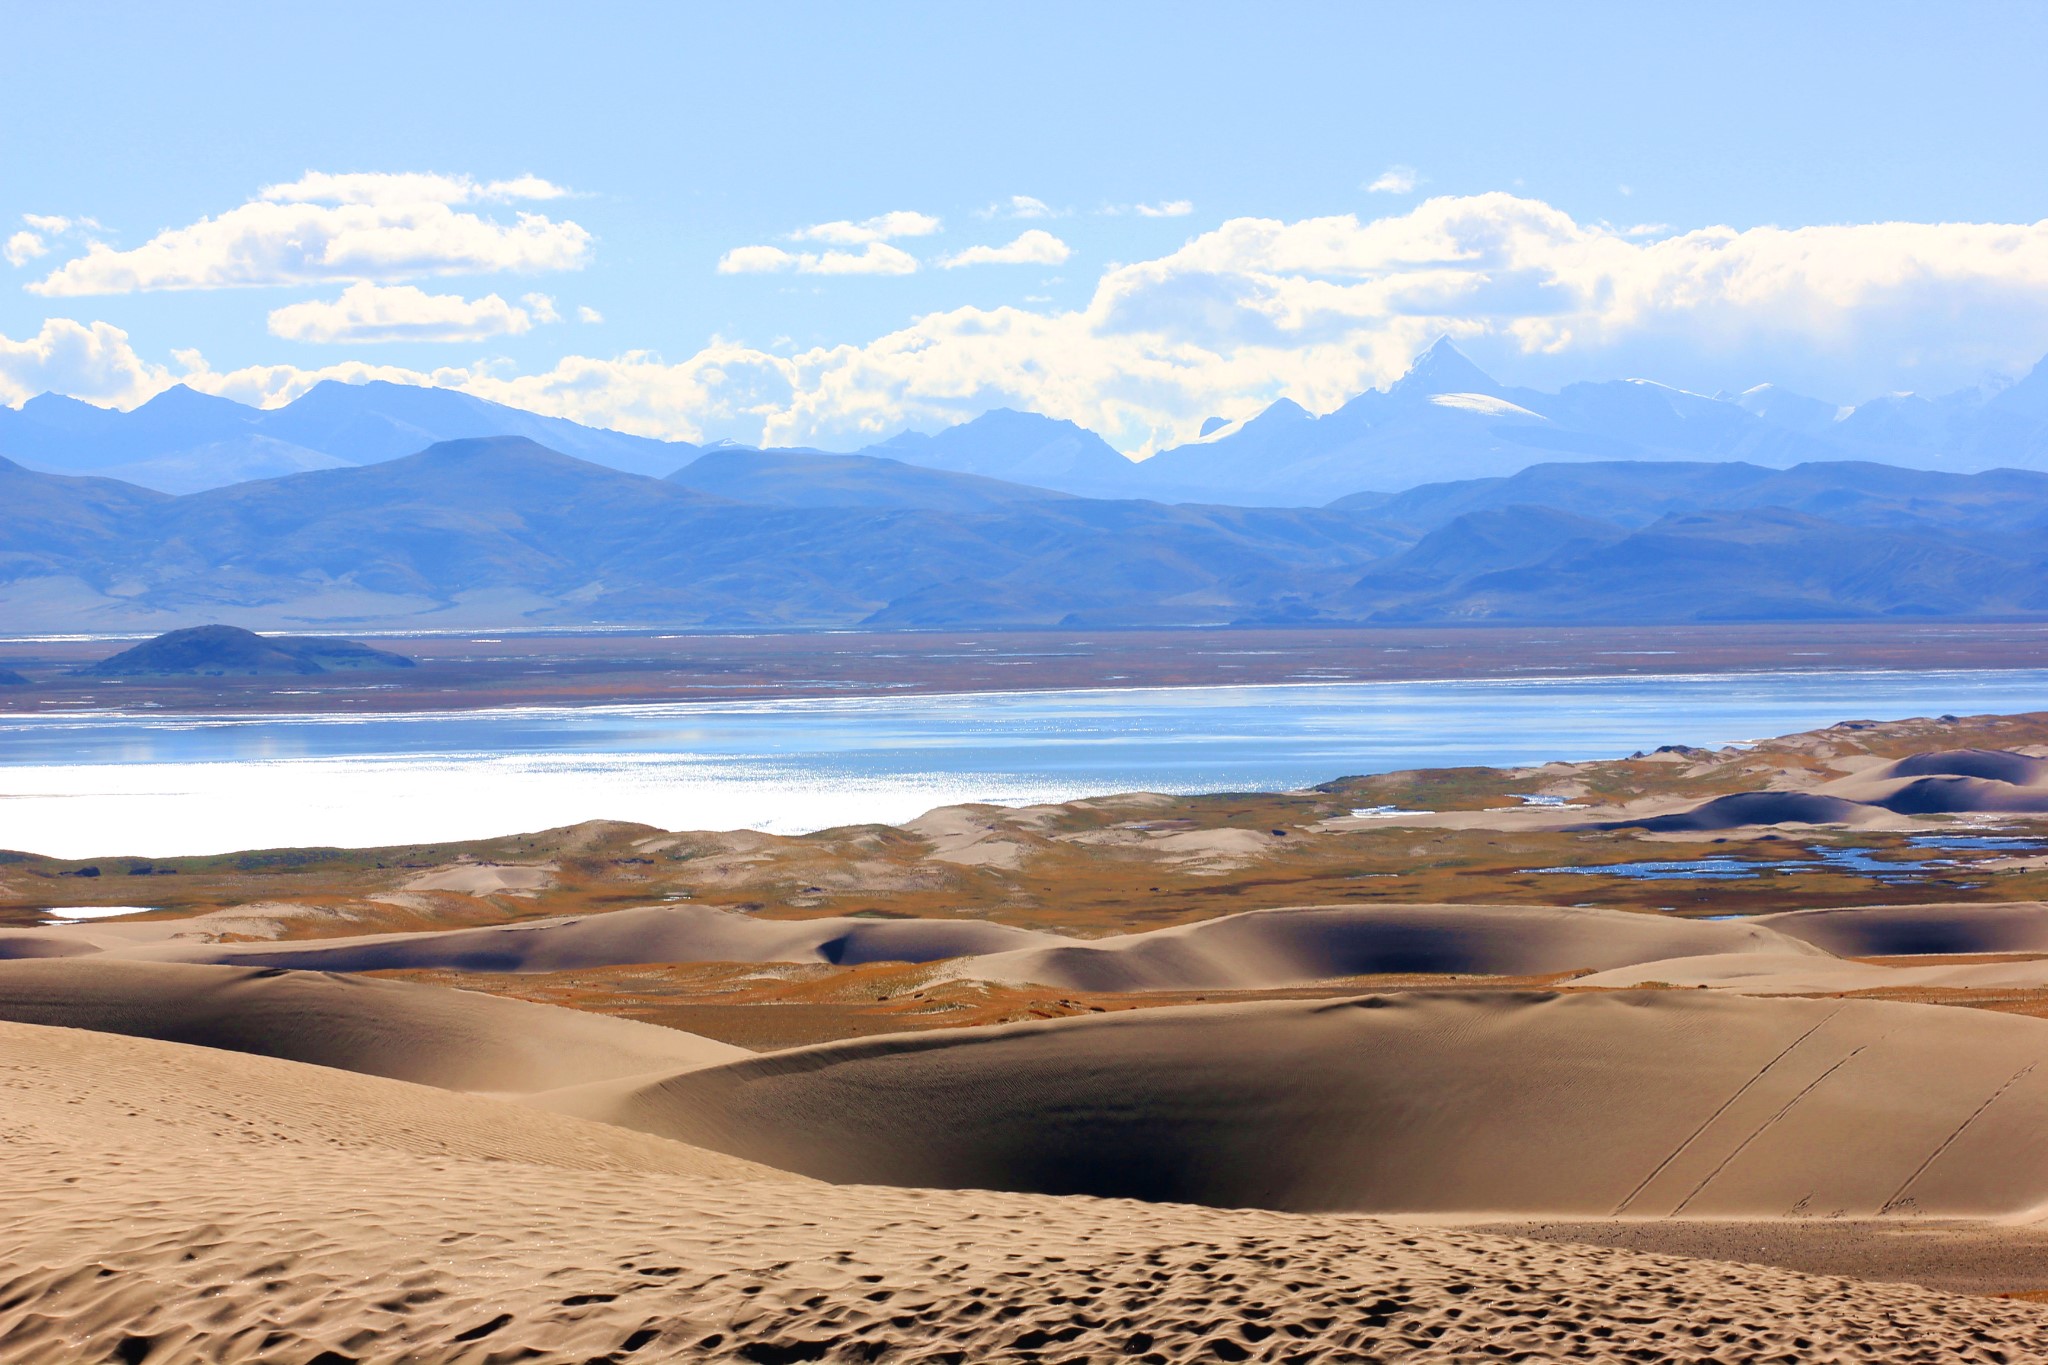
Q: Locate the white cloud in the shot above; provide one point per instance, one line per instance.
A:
(380, 313)
(1165, 208)
(91, 361)
(1018, 206)
(1315, 310)
(872, 235)
(335, 228)
(876, 258)
(755, 260)
(23, 247)
(405, 187)
(880, 228)
(585, 313)
(522, 187)
(1033, 247)
(1394, 180)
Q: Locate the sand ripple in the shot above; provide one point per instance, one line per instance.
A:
(174, 1204)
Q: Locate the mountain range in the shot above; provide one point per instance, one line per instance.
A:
(183, 441)
(1446, 419)
(1445, 497)
(502, 531)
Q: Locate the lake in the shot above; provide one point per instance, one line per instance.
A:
(76, 785)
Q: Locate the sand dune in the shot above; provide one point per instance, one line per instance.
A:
(1752, 808)
(484, 879)
(75, 1087)
(1961, 796)
(1917, 930)
(1946, 782)
(1648, 1104)
(1256, 949)
(1271, 948)
(24, 943)
(1772, 974)
(651, 933)
(171, 1204)
(1997, 765)
(453, 1039)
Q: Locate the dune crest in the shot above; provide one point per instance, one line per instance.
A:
(1272, 948)
(456, 1040)
(1250, 950)
(1706, 1105)
(1916, 930)
(1937, 782)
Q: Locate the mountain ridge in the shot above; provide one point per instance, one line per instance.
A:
(501, 531)
(1444, 420)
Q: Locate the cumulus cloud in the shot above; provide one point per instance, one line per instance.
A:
(1165, 208)
(1394, 180)
(1318, 310)
(876, 258)
(1018, 206)
(26, 246)
(585, 313)
(406, 187)
(755, 260)
(872, 235)
(93, 361)
(880, 228)
(1033, 247)
(336, 228)
(375, 313)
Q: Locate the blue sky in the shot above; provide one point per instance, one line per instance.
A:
(1172, 204)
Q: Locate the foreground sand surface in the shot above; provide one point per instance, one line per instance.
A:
(169, 1203)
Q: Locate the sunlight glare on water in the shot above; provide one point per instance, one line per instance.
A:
(151, 785)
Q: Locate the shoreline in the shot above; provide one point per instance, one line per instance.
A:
(903, 693)
(477, 671)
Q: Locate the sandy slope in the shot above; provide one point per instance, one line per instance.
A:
(649, 933)
(1917, 930)
(1269, 948)
(1770, 974)
(1644, 1104)
(455, 1039)
(171, 1204)
(1940, 782)
(1256, 949)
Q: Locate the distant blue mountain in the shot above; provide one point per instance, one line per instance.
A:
(501, 531)
(1022, 447)
(182, 441)
(1445, 420)
(809, 478)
